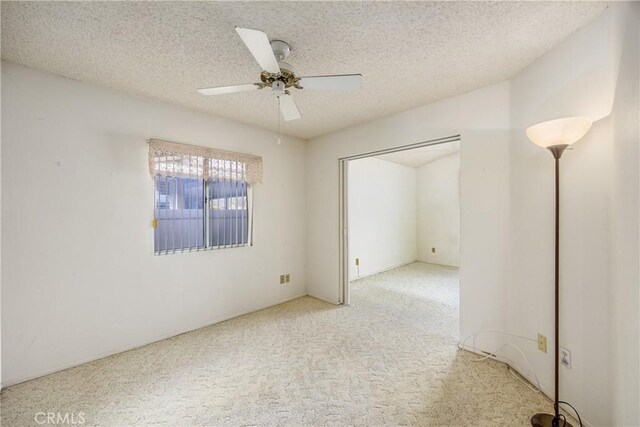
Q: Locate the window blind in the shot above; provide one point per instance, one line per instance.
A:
(190, 161)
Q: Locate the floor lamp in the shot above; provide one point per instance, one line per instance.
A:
(556, 136)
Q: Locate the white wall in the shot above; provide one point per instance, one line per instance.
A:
(599, 217)
(482, 119)
(439, 211)
(382, 215)
(1, 384)
(79, 278)
(625, 231)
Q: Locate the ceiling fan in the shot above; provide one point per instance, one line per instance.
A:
(279, 75)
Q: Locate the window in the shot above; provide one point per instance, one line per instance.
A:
(179, 214)
(202, 197)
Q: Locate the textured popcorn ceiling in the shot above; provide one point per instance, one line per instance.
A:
(410, 54)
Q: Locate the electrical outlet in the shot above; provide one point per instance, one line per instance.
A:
(357, 261)
(287, 279)
(542, 343)
(433, 250)
(282, 279)
(565, 357)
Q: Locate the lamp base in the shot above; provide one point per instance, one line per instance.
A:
(546, 420)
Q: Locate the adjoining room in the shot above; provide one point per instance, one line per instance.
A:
(404, 230)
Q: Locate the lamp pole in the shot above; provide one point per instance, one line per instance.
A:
(556, 135)
(557, 151)
(545, 420)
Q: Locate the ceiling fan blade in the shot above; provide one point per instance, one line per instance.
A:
(220, 90)
(288, 108)
(339, 82)
(258, 44)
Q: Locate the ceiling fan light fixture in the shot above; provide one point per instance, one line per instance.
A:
(277, 88)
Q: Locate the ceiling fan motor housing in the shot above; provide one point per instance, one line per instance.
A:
(286, 77)
(285, 67)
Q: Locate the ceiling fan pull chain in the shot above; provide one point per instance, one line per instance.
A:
(279, 140)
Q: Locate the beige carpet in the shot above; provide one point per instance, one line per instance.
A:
(388, 359)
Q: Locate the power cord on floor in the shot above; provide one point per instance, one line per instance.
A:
(563, 419)
(574, 410)
(494, 355)
(522, 379)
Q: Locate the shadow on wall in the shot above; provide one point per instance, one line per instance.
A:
(587, 87)
(438, 221)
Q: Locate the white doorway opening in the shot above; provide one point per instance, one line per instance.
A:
(394, 209)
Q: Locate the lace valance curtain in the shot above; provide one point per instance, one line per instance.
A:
(189, 161)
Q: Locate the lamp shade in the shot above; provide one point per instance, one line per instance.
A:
(564, 131)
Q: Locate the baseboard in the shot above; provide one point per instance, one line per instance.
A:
(110, 353)
(383, 270)
(435, 263)
(324, 299)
